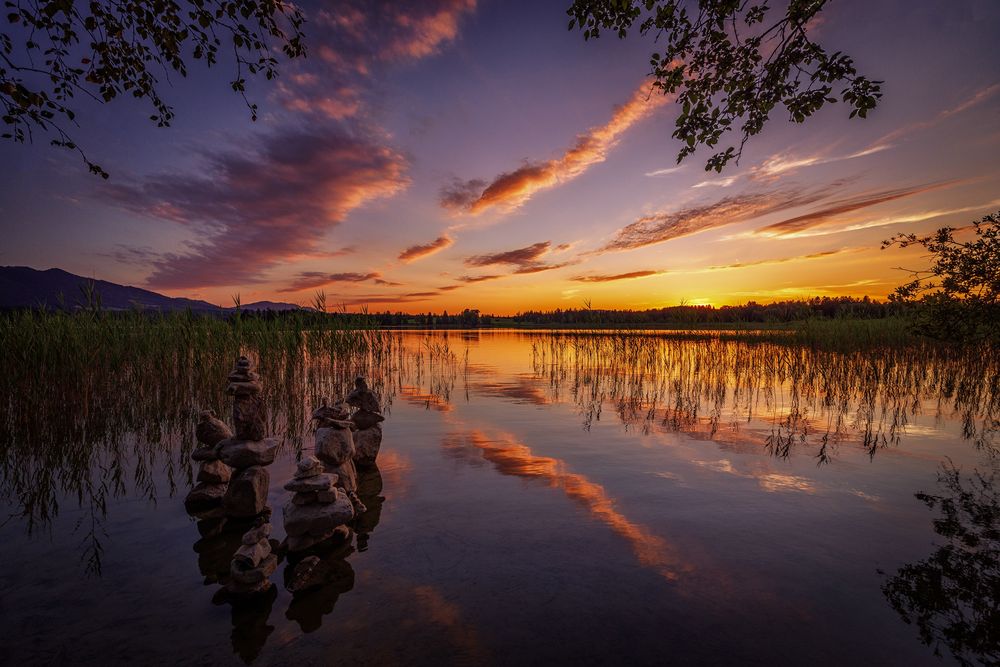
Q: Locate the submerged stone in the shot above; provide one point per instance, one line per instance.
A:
(244, 579)
(317, 519)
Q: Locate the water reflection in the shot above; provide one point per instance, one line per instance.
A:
(250, 616)
(511, 457)
(716, 402)
(802, 396)
(953, 595)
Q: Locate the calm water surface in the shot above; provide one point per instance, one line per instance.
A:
(539, 499)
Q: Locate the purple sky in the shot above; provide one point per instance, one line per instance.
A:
(454, 153)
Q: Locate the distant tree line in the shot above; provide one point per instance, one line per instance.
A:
(751, 312)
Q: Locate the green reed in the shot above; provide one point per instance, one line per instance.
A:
(711, 386)
(89, 390)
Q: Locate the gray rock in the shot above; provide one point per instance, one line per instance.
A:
(248, 417)
(366, 445)
(309, 466)
(347, 475)
(204, 453)
(363, 419)
(210, 429)
(328, 496)
(204, 497)
(317, 519)
(306, 498)
(363, 398)
(257, 533)
(244, 579)
(244, 388)
(251, 555)
(241, 454)
(247, 494)
(214, 472)
(334, 445)
(325, 413)
(320, 482)
(243, 371)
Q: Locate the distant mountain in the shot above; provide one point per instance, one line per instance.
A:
(24, 287)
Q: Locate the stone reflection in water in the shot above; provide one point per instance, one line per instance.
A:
(953, 596)
(370, 490)
(316, 582)
(250, 617)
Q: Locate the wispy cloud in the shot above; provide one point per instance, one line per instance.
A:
(415, 252)
(976, 98)
(314, 279)
(665, 226)
(823, 216)
(717, 182)
(512, 189)
(256, 209)
(519, 256)
(664, 172)
(479, 279)
(785, 163)
(631, 275)
(782, 260)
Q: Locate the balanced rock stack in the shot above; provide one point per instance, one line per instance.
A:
(335, 447)
(247, 451)
(318, 509)
(253, 563)
(205, 499)
(367, 419)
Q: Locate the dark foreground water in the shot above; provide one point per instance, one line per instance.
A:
(548, 499)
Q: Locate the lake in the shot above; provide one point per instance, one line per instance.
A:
(540, 498)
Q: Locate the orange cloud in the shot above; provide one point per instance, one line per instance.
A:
(512, 189)
(415, 252)
(817, 218)
(660, 227)
(631, 275)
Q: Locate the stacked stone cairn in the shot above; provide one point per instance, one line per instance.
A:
(253, 563)
(205, 499)
(232, 481)
(247, 451)
(319, 509)
(367, 420)
(335, 447)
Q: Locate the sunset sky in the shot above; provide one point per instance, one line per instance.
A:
(447, 154)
